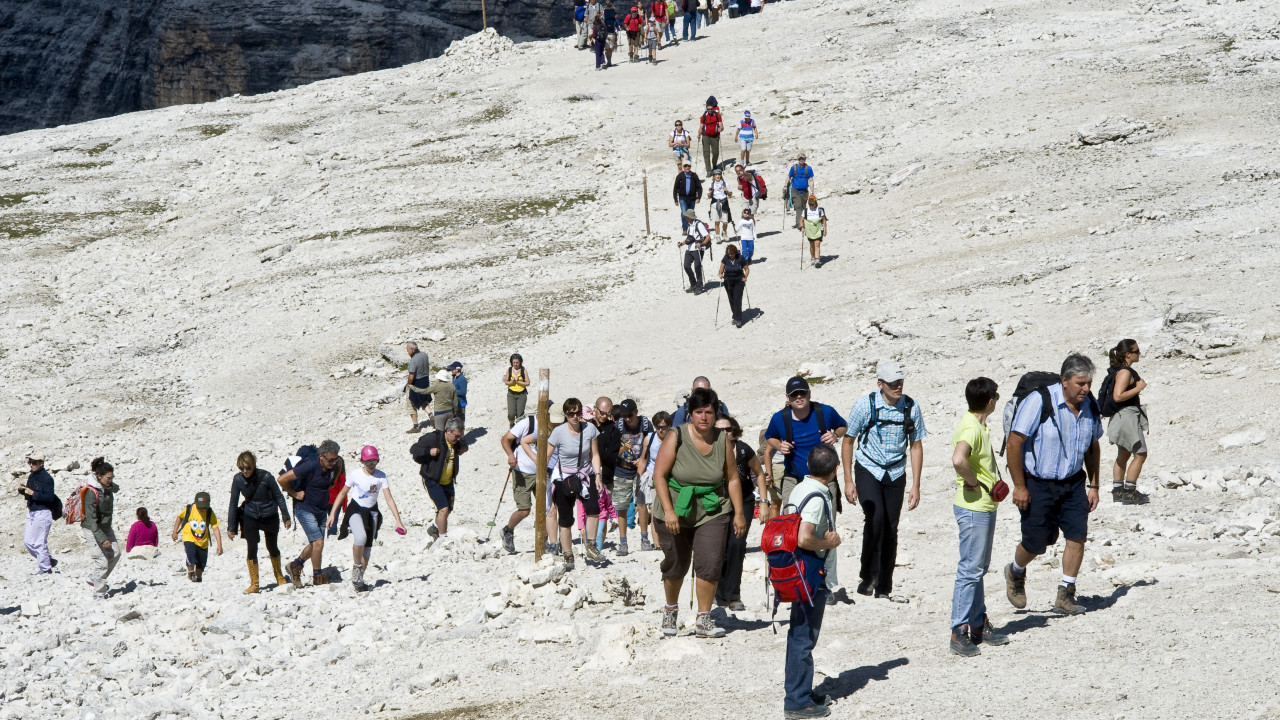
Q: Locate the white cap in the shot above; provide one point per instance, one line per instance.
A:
(444, 376)
(888, 371)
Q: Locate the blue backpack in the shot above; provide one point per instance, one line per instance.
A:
(580, 13)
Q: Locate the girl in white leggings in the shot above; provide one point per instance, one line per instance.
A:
(363, 518)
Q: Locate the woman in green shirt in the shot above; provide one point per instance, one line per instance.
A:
(698, 493)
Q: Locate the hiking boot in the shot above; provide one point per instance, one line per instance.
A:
(433, 531)
(864, 587)
(1117, 493)
(961, 644)
(569, 561)
(1066, 602)
(508, 540)
(645, 543)
(669, 617)
(984, 634)
(413, 430)
(357, 579)
(622, 547)
(590, 552)
(253, 577)
(831, 599)
(294, 571)
(816, 711)
(706, 626)
(737, 606)
(275, 569)
(199, 575)
(1015, 587)
(191, 572)
(1133, 497)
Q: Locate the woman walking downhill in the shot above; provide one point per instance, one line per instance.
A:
(729, 591)
(578, 476)
(516, 378)
(598, 40)
(99, 504)
(258, 516)
(699, 496)
(1127, 428)
(363, 517)
(733, 274)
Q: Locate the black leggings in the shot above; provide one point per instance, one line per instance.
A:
(693, 268)
(734, 288)
(566, 493)
(270, 528)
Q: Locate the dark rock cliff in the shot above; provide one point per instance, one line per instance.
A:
(65, 61)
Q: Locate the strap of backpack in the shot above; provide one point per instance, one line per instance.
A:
(786, 424)
(826, 507)
(822, 421)
(871, 423)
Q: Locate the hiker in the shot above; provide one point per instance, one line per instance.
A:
(459, 389)
(681, 415)
(714, 9)
(799, 185)
(595, 10)
(610, 444)
(696, 240)
(652, 33)
(444, 399)
(888, 426)
(698, 494)
(751, 479)
(143, 532)
(747, 134)
(689, 28)
(580, 24)
(815, 229)
(42, 502)
(362, 486)
(416, 385)
(658, 14)
(258, 516)
(516, 378)
(704, 7)
(633, 432)
(686, 192)
(709, 127)
(679, 141)
(644, 488)
(634, 23)
(309, 483)
(733, 275)
(817, 534)
(578, 476)
(747, 233)
(196, 523)
(756, 6)
(99, 504)
(610, 33)
(598, 39)
(1128, 424)
(749, 184)
(437, 453)
(721, 215)
(1051, 452)
(671, 22)
(975, 510)
(794, 431)
(522, 457)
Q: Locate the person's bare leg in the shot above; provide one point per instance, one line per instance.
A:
(642, 518)
(442, 520)
(593, 523)
(1072, 557)
(516, 518)
(553, 530)
(317, 551)
(671, 588)
(1021, 557)
(566, 541)
(706, 592)
(1135, 468)
(357, 555)
(1118, 469)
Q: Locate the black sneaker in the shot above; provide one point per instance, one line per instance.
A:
(984, 634)
(1117, 493)
(1132, 496)
(508, 540)
(816, 711)
(864, 587)
(961, 644)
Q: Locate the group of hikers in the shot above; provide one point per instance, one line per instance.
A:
(647, 24)
(689, 484)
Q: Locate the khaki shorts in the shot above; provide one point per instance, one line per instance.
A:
(621, 494)
(522, 489)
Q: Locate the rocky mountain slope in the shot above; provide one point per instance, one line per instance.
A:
(1006, 182)
(67, 61)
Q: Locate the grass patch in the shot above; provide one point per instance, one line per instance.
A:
(7, 201)
(579, 98)
(443, 138)
(530, 207)
(87, 165)
(100, 148)
(211, 131)
(496, 111)
(280, 132)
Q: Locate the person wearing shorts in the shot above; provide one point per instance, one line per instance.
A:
(746, 136)
(721, 215)
(437, 453)
(519, 445)
(516, 378)
(309, 483)
(679, 142)
(1128, 425)
(1053, 463)
(633, 432)
(577, 478)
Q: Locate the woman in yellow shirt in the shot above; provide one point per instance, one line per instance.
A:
(516, 378)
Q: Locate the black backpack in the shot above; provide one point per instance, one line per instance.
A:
(1106, 394)
(1036, 381)
(907, 422)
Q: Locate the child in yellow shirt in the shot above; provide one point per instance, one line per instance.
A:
(196, 522)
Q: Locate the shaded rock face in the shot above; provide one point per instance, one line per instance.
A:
(66, 61)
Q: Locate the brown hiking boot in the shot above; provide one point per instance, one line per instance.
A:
(1015, 586)
(1066, 602)
(319, 578)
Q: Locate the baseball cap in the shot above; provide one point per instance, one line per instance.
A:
(627, 406)
(455, 365)
(746, 113)
(801, 157)
(368, 452)
(38, 457)
(797, 384)
(557, 415)
(888, 371)
(202, 500)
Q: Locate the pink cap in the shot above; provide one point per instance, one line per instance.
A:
(368, 452)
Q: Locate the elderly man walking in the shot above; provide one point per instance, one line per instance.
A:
(416, 384)
(1053, 447)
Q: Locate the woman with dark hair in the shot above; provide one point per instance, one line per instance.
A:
(696, 484)
(598, 40)
(261, 512)
(578, 474)
(1127, 428)
(516, 378)
(142, 533)
(751, 478)
(98, 497)
(734, 272)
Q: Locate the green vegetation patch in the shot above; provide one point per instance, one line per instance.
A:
(87, 165)
(101, 147)
(7, 201)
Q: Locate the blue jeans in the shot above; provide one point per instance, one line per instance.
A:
(748, 250)
(669, 30)
(689, 30)
(806, 623)
(977, 533)
(685, 204)
(311, 520)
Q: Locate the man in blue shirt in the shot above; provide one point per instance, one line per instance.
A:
(794, 431)
(460, 386)
(1050, 454)
(887, 425)
(800, 185)
(308, 483)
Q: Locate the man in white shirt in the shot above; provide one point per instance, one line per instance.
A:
(522, 459)
(696, 239)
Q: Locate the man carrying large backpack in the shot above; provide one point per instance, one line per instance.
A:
(799, 186)
(1053, 463)
(709, 127)
(888, 426)
(696, 240)
(580, 25)
(794, 431)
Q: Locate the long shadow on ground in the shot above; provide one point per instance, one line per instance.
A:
(1032, 620)
(852, 680)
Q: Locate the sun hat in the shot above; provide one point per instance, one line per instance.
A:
(444, 376)
(691, 214)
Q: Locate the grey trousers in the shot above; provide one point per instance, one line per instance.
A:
(104, 560)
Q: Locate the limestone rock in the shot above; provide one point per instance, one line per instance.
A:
(1248, 436)
(1109, 129)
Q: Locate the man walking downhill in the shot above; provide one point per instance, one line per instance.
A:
(888, 426)
(746, 136)
(696, 240)
(42, 500)
(580, 26)
(634, 23)
(417, 382)
(1053, 447)
(686, 193)
(709, 127)
(658, 11)
(800, 185)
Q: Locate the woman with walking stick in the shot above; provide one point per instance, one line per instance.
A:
(733, 275)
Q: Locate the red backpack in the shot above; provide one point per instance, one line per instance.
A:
(794, 572)
(761, 191)
(711, 122)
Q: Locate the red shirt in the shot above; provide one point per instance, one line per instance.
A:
(633, 23)
(338, 483)
(659, 11)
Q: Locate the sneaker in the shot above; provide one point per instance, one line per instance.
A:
(53, 562)
(831, 599)
(357, 579)
(864, 587)
(1117, 493)
(622, 548)
(413, 430)
(706, 627)
(590, 552)
(645, 543)
(1133, 497)
(1066, 602)
(508, 540)
(816, 711)
(961, 644)
(294, 572)
(1015, 587)
(433, 531)
(984, 634)
(669, 617)
(737, 606)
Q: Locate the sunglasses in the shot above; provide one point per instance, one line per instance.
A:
(798, 395)
(896, 384)
(577, 413)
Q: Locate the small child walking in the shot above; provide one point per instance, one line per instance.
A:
(196, 523)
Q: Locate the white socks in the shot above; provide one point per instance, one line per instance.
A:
(1017, 569)
(1068, 581)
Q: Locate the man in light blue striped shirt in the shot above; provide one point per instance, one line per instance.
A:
(1051, 451)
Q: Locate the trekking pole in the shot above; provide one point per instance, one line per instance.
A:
(680, 266)
(645, 177)
(496, 510)
(717, 312)
(693, 578)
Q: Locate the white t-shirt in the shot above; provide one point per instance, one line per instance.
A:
(680, 138)
(815, 513)
(746, 230)
(719, 190)
(814, 213)
(364, 488)
(698, 231)
(525, 463)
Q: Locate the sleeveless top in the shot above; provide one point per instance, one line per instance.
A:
(747, 130)
(522, 375)
(1133, 380)
(693, 468)
(732, 269)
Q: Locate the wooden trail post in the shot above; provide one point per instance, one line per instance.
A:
(645, 175)
(484, 16)
(544, 432)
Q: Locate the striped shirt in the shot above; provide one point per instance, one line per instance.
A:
(747, 130)
(1056, 449)
(884, 454)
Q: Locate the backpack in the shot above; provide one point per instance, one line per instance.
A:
(710, 119)
(762, 192)
(794, 573)
(1037, 381)
(907, 422)
(73, 508)
(209, 519)
(1107, 406)
(580, 13)
(786, 421)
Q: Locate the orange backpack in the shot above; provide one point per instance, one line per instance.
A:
(73, 508)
